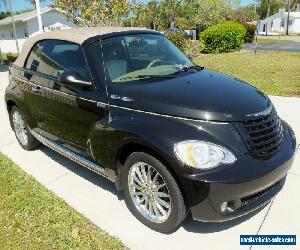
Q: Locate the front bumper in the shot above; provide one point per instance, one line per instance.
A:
(229, 201)
(233, 191)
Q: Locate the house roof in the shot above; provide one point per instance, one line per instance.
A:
(76, 35)
(23, 17)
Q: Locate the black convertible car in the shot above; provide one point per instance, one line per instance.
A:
(175, 137)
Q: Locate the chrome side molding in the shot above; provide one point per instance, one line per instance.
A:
(69, 154)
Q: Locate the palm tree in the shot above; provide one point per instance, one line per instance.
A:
(153, 7)
(33, 2)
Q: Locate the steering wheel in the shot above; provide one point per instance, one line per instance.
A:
(151, 64)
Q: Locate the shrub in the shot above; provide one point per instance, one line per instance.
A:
(250, 32)
(192, 48)
(178, 39)
(9, 57)
(224, 37)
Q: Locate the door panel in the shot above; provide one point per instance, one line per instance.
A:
(61, 110)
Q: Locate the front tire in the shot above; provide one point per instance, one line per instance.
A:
(152, 194)
(22, 132)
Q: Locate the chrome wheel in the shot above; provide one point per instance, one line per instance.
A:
(149, 192)
(20, 128)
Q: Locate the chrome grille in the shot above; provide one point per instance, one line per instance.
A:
(262, 135)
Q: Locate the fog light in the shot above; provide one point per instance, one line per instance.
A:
(227, 206)
(224, 206)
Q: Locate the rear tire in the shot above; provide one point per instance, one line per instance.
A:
(152, 194)
(22, 132)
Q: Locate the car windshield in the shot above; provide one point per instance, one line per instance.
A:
(142, 57)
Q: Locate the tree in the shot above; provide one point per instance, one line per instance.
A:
(246, 14)
(211, 12)
(33, 2)
(154, 11)
(161, 15)
(4, 14)
(95, 12)
(273, 5)
(169, 12)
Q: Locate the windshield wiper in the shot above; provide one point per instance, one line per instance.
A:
(187, 68)
(146, 77)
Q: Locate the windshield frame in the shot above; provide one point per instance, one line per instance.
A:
(123, 35)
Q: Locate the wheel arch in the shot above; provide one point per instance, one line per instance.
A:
(10, 104)
(132, 147)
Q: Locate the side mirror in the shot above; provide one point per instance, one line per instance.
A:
(72, 78)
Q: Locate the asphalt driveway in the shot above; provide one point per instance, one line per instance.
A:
(292, 47)
(97, 199)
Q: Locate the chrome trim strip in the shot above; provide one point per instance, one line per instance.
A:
(263, 113)
(101, 105)
(69, 154)
(167, 116)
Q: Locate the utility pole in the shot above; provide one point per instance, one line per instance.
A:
(38, 14)
(13, 24)
(288, 18)
(268, 14)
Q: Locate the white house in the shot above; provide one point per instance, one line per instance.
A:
(27, 26)
(278, 23)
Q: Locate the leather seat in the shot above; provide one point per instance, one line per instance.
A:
(115, 60)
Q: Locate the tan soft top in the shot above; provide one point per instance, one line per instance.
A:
(76, 35)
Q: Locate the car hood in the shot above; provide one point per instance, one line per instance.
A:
(203, 95)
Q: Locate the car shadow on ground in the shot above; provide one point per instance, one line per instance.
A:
(189, 224)
(82, 171)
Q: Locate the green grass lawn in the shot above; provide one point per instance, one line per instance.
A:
(31, 217)
(274, 72)
(261, 40)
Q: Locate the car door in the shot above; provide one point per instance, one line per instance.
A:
(66, 112)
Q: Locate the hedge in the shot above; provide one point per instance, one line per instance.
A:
(224, 37)
(178, 39)
(250, 32)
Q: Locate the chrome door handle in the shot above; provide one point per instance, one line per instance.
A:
(36, 89)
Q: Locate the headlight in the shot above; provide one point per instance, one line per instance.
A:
(203, 155)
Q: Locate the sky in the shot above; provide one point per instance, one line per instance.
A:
(23, 4)
(246, 2)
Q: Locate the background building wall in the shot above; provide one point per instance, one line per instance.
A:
(7, 37)
(51, 20)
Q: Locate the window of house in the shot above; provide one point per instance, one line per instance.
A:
(52, 57)
(282, 22)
